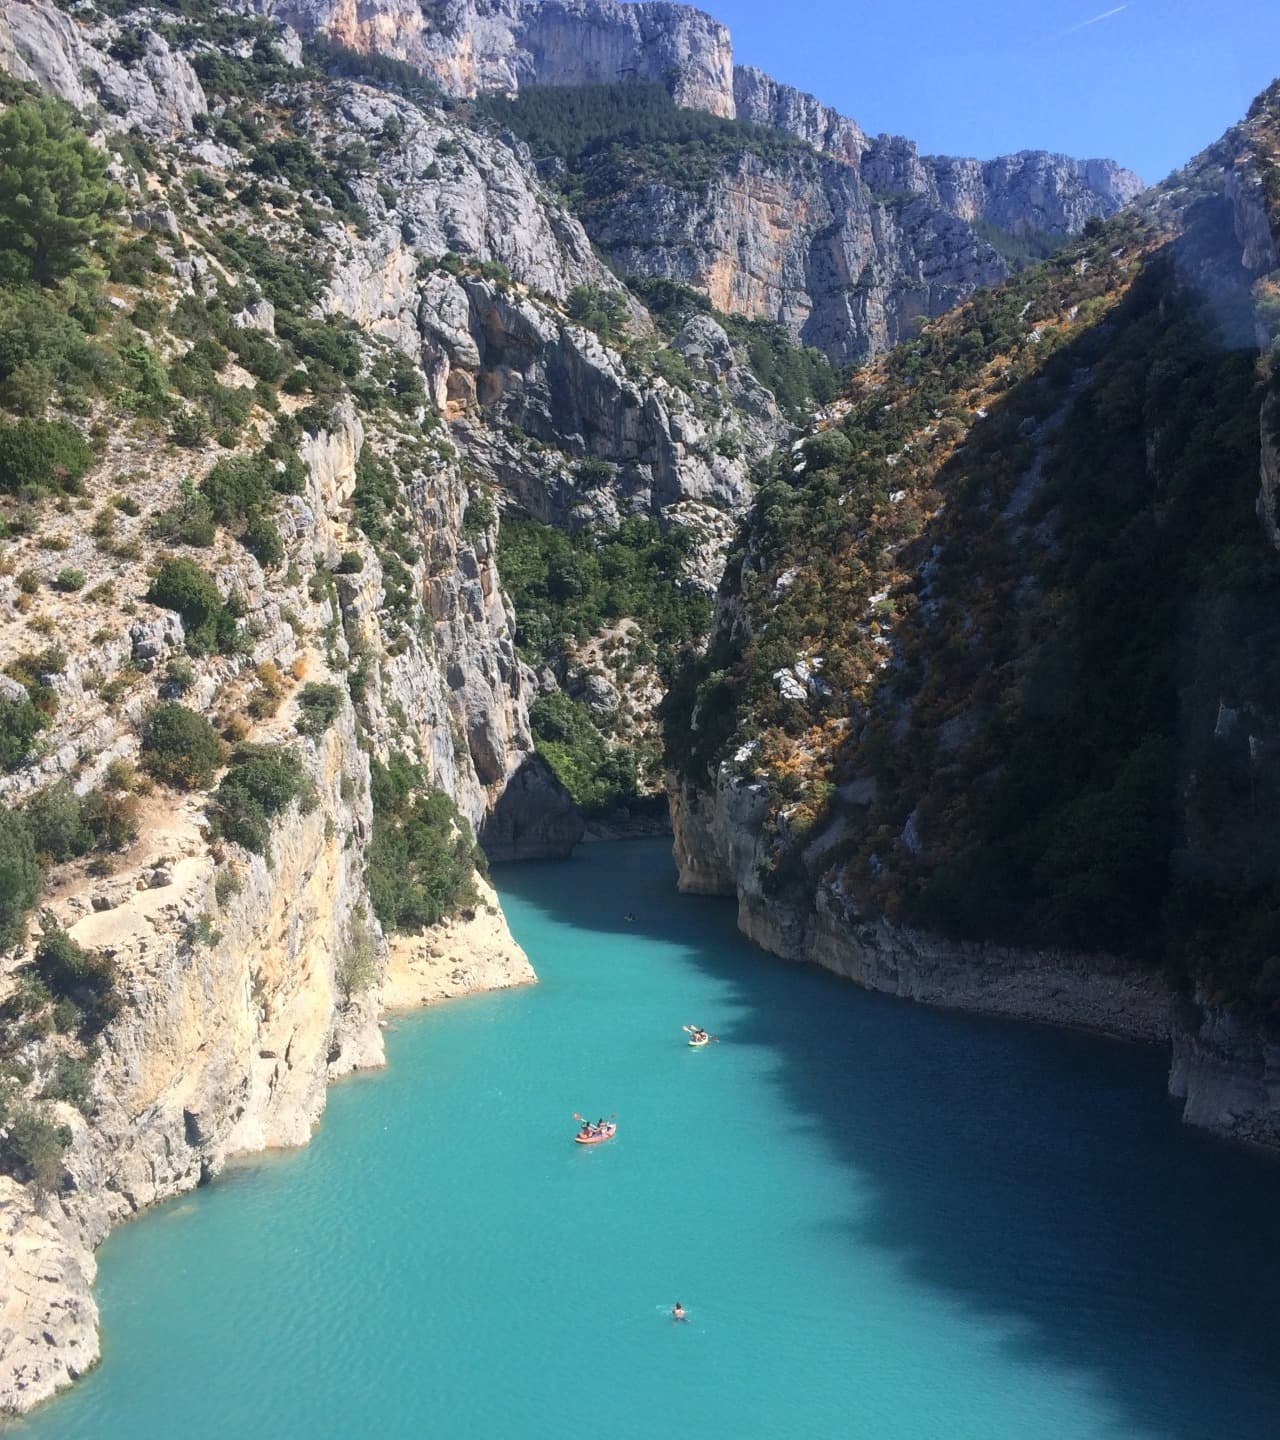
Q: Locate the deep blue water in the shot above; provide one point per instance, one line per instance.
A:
(885, 1222)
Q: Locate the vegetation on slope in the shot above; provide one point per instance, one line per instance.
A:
(423, 857)
(1011, 626)
(568, 589)
(608, 139)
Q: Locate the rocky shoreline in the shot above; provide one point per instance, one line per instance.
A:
(1225, 1069)
(49, 1322)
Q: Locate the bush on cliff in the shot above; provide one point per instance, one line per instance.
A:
(54, 192)
(179, 747)
(423, 857)
(42, 455)
(20, 723)
(20, 876)
(598, 778)
(260, 784)
(32, 1146)
(183, 586)
(318, 707)
(85, 979)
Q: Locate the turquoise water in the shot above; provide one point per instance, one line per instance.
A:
(885, 1222)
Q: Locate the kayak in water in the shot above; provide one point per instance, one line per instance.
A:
(699, 1041)
(698, 1037)
(590, 1135)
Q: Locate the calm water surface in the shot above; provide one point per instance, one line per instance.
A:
(885, 1222)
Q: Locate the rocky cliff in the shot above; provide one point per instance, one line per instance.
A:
(471, 47)
(936, 745)
(847, 243)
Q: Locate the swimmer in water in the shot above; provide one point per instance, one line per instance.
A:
(629, 918)
(677, 1312)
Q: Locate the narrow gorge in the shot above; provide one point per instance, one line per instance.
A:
(436, 433)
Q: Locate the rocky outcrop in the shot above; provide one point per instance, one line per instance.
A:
(533, 818)
(762, 100)
(48, 1316)
(1269, 489)
(1226, 1071)
(155, 89)
(471, 46)
(1030, 192)
(846, 244)
(804, 242)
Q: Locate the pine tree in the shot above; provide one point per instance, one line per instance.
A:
(54, 193)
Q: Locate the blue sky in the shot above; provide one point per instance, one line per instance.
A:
(1147, 83)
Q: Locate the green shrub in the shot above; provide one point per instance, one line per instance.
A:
(423, 857)
(599, 779)
(71, 1082)
(20, 723)
(262, 540)
(20, 877)
(179, 747)
(357, 968)
(189, 428)
(69, 580)
(238, 488)
(42, 455)
(183, 586)
(32, 1149)
(179, 676)
(86, 979)
(55, 816)
(112, 819)
(260, 783)
(318, 707)
(189, 522)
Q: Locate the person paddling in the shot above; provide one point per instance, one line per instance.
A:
(677, 1312)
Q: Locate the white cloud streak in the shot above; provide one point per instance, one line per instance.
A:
(1096, 19)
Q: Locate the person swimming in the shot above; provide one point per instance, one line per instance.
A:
(630, 918)
(678, 1312)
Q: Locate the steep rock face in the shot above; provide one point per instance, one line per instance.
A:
(500, 360)
(471, 47)
(845, 251)
(1226, 1070)
(805, 243)
(1032, 192)
(159, 93)
(762, 100)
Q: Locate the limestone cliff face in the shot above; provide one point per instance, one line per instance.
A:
(763, 100)
(1226, 1070)
(803, 242)
(1032, 191)
(817, 873)
(159, 93)
(470, 46)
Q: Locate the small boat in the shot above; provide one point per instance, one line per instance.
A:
(699, 1041)
(609, 1131)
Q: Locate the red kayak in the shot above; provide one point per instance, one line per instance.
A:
(599, 1137)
